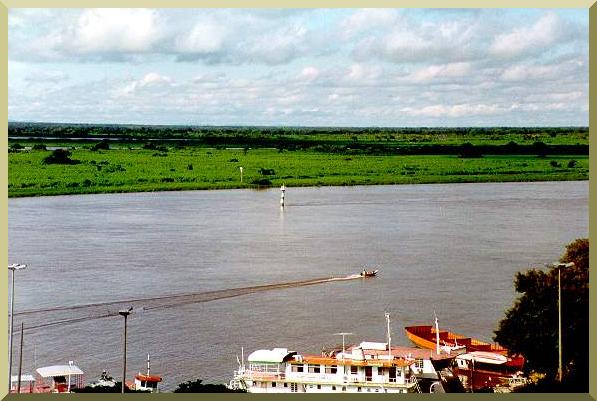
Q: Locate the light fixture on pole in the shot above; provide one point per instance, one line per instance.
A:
(125, 313)
(13, 268)
(559, 266)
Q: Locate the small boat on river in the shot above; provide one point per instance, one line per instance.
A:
(369, 273)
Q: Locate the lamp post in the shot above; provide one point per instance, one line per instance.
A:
(13, 268)
(559, 266)
(125, 313)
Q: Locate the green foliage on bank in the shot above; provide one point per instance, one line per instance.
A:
(135, 168)
(530, 327)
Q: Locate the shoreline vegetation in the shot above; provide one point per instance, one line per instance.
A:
(63, 159)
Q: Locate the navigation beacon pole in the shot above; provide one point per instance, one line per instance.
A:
(283, 190)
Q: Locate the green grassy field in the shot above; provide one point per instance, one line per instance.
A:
(134, 170)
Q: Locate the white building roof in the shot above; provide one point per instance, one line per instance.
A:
(367, 345)
(59, 370)
(275, 355)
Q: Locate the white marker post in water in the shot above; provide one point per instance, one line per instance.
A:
(283, 189)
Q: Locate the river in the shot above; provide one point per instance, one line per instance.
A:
(192, 263)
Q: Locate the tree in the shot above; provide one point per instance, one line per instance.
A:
(530, 327)
(60, 156)
(104, 144)
(468, 150)
(197, 387)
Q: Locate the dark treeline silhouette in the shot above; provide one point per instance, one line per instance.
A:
(350, 140)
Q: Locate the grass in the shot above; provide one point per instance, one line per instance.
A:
(127, 169)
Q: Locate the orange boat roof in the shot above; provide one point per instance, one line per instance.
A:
(148, 378)
(472, 344)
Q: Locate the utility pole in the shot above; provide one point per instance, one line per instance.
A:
(559, 266)
(124, 313)
(13, 268)
(20, 361)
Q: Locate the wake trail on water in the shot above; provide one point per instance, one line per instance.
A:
(61, 315)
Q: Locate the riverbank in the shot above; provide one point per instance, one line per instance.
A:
(130, 169)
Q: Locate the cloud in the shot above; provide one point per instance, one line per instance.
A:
(327, 66)
(366, 19)
(543, 33)
(206, 36)
(458, 110)
(149, 80)
(115, 30)
(441, 71)
(309, 73)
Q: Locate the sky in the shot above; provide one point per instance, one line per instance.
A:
(300, 67)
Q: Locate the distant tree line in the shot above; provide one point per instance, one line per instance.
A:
(61, 130)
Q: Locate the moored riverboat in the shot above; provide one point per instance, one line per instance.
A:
(369, 367)
(484, 366)
(146, 381)
(480, 371)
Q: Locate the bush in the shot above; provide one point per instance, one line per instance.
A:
(197, 387)
(39, 146)
(468, 150)
(267, 171)
(572, 164)
(103, 145)
(264, 182)
(60, 156)
(15, 147)
(554, 163)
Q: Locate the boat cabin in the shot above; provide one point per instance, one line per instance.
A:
(145, 382)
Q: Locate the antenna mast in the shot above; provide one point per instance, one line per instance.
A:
(343, 334)
(436, 334)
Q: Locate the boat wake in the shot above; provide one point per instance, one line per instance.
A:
(36, 319)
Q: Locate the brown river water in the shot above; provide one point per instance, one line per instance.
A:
(209, 272)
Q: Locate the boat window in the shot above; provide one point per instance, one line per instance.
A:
(333, 388)
(343, 388)
(419, 363)
(380, 371)
(297, 368)
(331, 369)
(319, 387)
(359, 389)
(285, 384)
(314, 369)
(273, 384)
(354, 370)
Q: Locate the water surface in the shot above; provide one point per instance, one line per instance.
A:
(449, 248)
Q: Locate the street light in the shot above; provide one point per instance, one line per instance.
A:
(125, 313)
(13, 268)
(559, 266)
